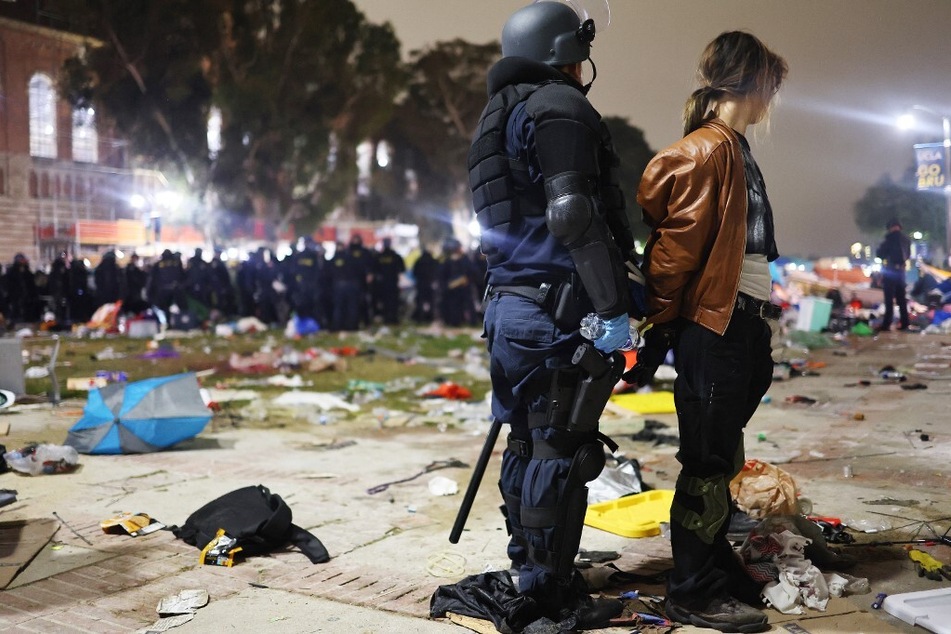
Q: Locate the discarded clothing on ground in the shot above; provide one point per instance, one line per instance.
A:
(259, 520)
(492, 596)
(775, 554)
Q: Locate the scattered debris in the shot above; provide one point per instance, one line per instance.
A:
(323, 400)
(432, 466)
(176, 610)
(43, 459)
(442, 486)
(132, 524)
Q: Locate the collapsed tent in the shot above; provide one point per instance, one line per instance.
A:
(140, 417)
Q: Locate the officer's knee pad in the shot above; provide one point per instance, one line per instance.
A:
(587, 463)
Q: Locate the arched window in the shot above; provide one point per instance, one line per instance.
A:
(85, 137)
(42, 117)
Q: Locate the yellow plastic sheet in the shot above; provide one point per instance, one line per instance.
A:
(660, 402)
(638, 515)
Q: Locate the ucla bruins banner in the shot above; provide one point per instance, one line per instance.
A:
(932, 165)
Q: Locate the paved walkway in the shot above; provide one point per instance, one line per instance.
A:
(390, 550)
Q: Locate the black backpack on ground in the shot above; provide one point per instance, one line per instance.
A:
(259, 520)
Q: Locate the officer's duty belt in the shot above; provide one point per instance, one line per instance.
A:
(543, 294)
(757, 307)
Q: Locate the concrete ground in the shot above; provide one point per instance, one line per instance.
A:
(390, 550)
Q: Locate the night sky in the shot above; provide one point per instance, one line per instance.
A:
(855, 65)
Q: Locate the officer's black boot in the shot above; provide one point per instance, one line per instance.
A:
(572, 605)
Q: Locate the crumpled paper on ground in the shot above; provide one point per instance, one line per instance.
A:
(441, 485)
(761, 489)
(177, 609)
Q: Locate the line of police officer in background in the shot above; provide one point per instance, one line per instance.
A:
(356, 287)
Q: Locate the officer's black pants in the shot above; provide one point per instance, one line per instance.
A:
(720, 381)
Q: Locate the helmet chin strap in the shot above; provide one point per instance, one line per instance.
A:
(594, 75)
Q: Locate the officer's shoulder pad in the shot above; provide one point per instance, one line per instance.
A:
(560, 100)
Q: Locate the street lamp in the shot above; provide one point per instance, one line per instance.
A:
(907, 121)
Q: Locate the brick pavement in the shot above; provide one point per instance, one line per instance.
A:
(380, 543)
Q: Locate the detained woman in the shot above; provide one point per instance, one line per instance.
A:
(708, 286)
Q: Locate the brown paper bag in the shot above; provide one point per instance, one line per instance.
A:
(761, 489)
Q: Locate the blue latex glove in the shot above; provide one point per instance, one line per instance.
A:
(616, 334)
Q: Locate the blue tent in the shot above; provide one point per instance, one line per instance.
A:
(140, 417)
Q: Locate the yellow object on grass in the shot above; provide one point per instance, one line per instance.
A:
(660, 402)
(638, 515)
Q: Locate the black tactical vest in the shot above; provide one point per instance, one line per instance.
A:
(492, 172)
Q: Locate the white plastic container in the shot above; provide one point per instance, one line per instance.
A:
(814, 313)
(142, 328)
(930, 609)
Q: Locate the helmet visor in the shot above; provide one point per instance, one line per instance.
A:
(599, 11)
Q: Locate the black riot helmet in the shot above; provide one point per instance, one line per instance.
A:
(548, 32)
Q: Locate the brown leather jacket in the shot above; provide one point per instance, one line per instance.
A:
(694, 198)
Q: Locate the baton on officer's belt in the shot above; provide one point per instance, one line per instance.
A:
(475, 481)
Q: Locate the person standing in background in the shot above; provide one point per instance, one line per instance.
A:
(894, 252)
(425, 270)
(388, 267)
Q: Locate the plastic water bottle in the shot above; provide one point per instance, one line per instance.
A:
(592, 328)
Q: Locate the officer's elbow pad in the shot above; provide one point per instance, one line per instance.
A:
(570, 207)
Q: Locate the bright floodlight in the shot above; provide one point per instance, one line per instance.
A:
(475, 230)
(906, 121)
(168, 199)
(137, 201)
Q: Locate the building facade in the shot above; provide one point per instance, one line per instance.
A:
(64, 181)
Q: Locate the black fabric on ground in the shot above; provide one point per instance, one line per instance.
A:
(492, 596)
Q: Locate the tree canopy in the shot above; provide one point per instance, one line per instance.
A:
(298, 85)
(431, 131)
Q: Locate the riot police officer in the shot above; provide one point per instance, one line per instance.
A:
(424, 280)
(306, 268)
(455, 285)
(107, 276)
(555, 235)
(165, 280)
(136, 279)
(387, 268)
(21, 290)
(351, 274)
(198, 283)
